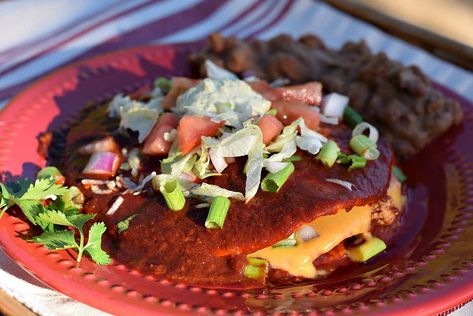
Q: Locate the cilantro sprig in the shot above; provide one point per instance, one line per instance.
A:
(60, 220)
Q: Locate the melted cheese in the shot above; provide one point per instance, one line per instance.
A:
(332, 230)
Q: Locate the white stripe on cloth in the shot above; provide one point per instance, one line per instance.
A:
(216, 21)
(315, 17)
(262, 23)
(29, 295)
(248, 19)
(50, 41)
(93, 38)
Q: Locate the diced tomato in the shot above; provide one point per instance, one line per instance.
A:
(310, 93)
(289, 111)
(192, 128)
(270, 128)
(178, 87)
(262, 87)
(141, 93)
(155, 144)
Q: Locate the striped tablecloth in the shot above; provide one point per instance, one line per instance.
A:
(39, 36)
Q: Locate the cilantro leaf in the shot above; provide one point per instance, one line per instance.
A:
(64, 211)
(123, 225)
(4, 195)
(42, 188)
(30, 208)
(63, 239)
(94, 244)
(55, 217)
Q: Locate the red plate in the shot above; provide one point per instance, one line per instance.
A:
(427, 271)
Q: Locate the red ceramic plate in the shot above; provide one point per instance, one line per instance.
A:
(427, 271)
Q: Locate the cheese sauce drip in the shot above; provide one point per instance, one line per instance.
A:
(332, 230)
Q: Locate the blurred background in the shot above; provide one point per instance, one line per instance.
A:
(450, 18)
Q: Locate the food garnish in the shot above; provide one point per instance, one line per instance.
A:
(53, 207)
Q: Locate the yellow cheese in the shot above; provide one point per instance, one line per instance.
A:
(332, 230)
(395, 192)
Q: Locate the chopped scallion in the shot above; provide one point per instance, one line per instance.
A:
(272, 112)
(218, 212)
(401, 177)
(329, 153)
(274, 181)
(256, 268)
(351, 117)
(293, 158)
(285, 243)
(364, 146)
(164, 84)
(357, 162)
(173, 195)
(366, 250)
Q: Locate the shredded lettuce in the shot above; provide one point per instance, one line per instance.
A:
(185, 184)
(276, 162)
(288, 135)
(215, 72)
(232, 101)
(309, 140)
(207, 191)
(201, 166)
(135, 115)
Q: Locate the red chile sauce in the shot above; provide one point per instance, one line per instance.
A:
(177, 246)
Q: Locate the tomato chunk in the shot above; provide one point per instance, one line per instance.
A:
(262, 87)
(270, 128)
(192, 128)
(141, 93)
(310, 93)
(155, 144)
(178, 87)
(289, 111)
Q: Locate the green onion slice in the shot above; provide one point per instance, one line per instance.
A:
(256, 268)
(293, 158)
(286, 243)
(328, 153)
(218, 212)
(164, 84)
(364, 146)
(351, 117)
(173, 195)
(272, 112)
(401, 177)
(274, 181)
(357, 162)
(366, 250)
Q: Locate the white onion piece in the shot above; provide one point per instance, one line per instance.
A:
(362, 127)
(94, 182)
(116, 204)
(216, 72)
(105, 144)
(328, 120)
(218, 162)
(334, 105)
(345, 184)
(142, 183)
(306, 233)
(95, 189)
(102, 164)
